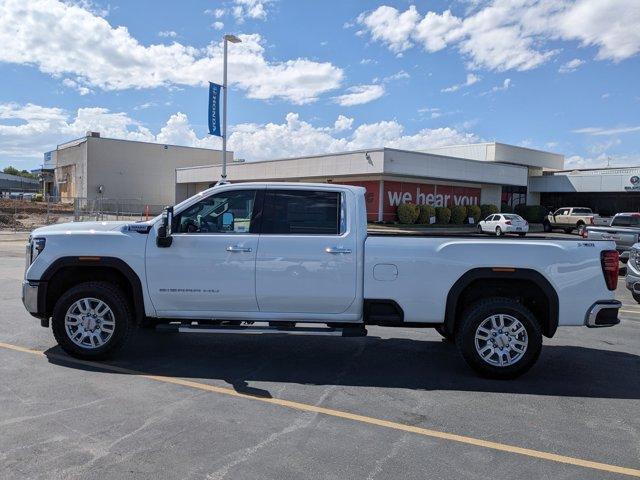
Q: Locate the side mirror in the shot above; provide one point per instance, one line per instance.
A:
(164, 239)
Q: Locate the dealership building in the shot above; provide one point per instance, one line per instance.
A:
(474, 174)
(456, 175)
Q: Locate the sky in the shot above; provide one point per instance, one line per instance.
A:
(325, 76)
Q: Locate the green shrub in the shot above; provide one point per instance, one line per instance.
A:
(534, 213)
(443, 215)
(487, 209)
(474, 211)
(506, 208)
(408, 213)
(520, 209)
(426, 212)
(458, 214)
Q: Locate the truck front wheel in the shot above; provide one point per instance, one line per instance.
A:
(92, 320)
(499, 338)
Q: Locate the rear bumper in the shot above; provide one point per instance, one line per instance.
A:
(603, 314)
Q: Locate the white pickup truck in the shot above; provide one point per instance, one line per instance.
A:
(278, 258)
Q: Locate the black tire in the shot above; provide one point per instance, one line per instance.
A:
(636, 296)
(123, 318)
(449, 337)
(546, 226)
(475, 315)
(568, 230)
(580, 226)
(498, 232)
(479, 229)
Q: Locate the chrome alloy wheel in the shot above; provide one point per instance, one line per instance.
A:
(89, 323)
(501, 340)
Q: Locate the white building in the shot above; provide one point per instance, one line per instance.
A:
(95, 167)
(464, 174)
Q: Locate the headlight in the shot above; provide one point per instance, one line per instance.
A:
(37, 246)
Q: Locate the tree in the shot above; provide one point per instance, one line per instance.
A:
(20, 173)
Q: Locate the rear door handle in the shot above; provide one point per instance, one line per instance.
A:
(337, 250)
(237, 248)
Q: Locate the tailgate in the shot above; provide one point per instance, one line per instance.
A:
(623, 238)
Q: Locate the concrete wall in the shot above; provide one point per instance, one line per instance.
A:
(500, 152)
(71, 170)
(491, 194)
(583, 182)
(326, 166)
(424, 165)
(140, 171)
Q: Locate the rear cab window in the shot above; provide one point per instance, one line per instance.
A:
(626, 221)
(302, 212)
(581, 211)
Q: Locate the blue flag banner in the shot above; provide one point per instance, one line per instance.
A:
(214, 109)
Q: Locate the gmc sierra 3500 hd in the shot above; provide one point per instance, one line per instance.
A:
(276, 257)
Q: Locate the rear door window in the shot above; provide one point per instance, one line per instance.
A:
(301, 212)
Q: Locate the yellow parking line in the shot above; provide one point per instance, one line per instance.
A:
(346, 415)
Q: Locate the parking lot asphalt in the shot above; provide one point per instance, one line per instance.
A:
(399, 403)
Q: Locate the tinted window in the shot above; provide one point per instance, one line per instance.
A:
(301, 212)
(226, 212)
(514, 217)
(626, 221)
(581, 211)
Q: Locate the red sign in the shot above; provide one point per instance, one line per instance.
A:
(395, 193)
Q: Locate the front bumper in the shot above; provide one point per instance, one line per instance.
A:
(30, 296)
(603, 314)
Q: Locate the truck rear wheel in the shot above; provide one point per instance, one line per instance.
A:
(499, 338)
(92, 320)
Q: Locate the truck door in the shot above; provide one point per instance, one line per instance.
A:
(210, 266)
(562, 216)
(307, 255)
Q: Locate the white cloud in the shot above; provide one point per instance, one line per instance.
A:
(512, 34)
(368, 61)
(401, 75)
(254, 9)
(607, 131)
(506, 85)
(87, 47)
(342, 123)
(218, 25)
(471, 79)
(360, 94)
(39, 129)
(168, 33)
(217, 12)
(601, 161)
(571, 65)
(432, 112)
(388, 25)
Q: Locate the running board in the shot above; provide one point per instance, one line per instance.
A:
(265, 330)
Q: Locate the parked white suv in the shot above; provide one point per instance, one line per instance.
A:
(501, 223)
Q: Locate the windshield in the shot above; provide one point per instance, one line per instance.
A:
(517, 218)
(581, 211)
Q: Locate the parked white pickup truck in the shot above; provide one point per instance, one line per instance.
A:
(275, 258)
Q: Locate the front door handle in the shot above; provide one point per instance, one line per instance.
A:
(237, 248)
(336, 250)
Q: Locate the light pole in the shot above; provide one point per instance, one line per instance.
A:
(232, 39)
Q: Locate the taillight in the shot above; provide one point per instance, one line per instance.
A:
(591, 220)
(585, 233)
(610, 261)
(508, 222)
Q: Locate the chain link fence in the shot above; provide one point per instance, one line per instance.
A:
(23, 212)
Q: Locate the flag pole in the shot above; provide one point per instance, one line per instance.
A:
(232, 39)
